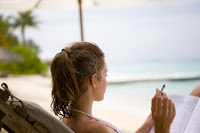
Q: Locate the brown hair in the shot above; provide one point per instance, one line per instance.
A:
(70, 69)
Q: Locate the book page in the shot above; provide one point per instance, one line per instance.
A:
(184, 108)
(193, 125)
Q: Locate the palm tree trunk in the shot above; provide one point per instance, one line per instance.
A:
(23, 35)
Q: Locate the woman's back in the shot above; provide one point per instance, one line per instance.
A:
(87, 125)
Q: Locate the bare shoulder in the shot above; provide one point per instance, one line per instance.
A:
(98, 127)
(196, 91)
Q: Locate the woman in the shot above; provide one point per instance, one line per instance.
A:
(79, 78)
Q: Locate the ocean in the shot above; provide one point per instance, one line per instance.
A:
(141, 79)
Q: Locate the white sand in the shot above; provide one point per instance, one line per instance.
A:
(37, 88)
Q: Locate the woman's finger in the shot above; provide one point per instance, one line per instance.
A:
(165, 104)
(170, 106)
(158, 100)
(153, 105)
(174, 109)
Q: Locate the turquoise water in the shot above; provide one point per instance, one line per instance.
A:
(137, 95)
(156, 67)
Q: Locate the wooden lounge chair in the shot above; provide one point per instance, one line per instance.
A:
(18, 116)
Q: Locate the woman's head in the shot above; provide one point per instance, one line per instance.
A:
(70, 70)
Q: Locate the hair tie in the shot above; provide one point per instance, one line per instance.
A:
(66, 52)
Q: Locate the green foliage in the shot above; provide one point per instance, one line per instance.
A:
(29, 50)
(31, 64)
(7, 38)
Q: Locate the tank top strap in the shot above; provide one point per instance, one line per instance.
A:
(75, 110)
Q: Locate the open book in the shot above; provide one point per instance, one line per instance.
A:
(187, 119)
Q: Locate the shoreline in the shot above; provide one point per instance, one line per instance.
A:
(122, 79)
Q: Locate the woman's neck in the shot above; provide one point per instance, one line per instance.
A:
(84, 104)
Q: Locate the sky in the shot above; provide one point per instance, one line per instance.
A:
(143, 32)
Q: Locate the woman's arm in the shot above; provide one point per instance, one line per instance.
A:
(145, 128)
(196, 91)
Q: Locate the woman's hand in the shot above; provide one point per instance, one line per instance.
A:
(163, 112)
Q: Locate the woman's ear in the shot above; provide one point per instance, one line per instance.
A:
(94, 80)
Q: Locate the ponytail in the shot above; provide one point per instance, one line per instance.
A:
(65, 87)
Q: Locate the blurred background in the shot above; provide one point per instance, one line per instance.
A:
(147, 43)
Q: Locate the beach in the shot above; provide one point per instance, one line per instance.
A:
(37, 88)
(127, 101)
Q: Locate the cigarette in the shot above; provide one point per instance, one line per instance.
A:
(162, 88)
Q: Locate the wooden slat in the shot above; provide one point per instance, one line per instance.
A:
(19, 110)
(2, 115)
(1, 125)
(3, 95)
(14, 121)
